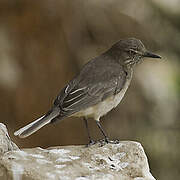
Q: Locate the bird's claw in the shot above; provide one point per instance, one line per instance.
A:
(91, 142)
(107, 140)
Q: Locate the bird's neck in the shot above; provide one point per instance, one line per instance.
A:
(120, 57)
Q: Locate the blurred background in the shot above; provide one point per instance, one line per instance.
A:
(44, 43)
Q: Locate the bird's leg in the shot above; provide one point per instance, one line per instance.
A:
(103, 132)
(91, 142)
(106, 139)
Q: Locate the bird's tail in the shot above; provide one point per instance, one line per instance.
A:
(37, 124)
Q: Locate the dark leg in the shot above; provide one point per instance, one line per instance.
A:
(106, 139)
(101, 129)
(91, 142)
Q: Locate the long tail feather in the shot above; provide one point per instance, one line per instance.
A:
(37, 124)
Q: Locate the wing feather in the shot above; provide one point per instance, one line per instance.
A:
(91, 87)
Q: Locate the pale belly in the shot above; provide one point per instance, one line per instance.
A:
(103, 107)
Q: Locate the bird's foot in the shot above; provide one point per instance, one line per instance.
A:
(107, 140)
(116, 141)
(91, 142)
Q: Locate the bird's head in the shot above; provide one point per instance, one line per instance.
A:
(132, 51)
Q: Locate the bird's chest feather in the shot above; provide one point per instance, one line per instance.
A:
(105, 106)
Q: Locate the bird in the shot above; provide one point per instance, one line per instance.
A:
(96, 89)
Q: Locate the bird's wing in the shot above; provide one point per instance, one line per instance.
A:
(90, 89)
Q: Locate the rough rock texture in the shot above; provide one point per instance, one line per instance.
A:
(5, 142)
(123, 161)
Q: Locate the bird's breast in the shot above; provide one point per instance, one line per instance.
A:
(105, 106)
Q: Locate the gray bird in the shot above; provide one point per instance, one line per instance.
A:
(97, 89)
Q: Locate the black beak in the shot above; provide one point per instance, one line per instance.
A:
(151, 55)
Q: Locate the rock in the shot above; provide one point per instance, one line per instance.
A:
(123, 161)
(5, 142)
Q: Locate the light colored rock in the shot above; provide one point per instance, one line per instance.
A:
(123, 161)
(5, 142)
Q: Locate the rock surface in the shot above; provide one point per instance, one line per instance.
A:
(123, 161)
(5, 142)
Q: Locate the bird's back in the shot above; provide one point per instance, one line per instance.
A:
(97, 84)
(112, 74)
